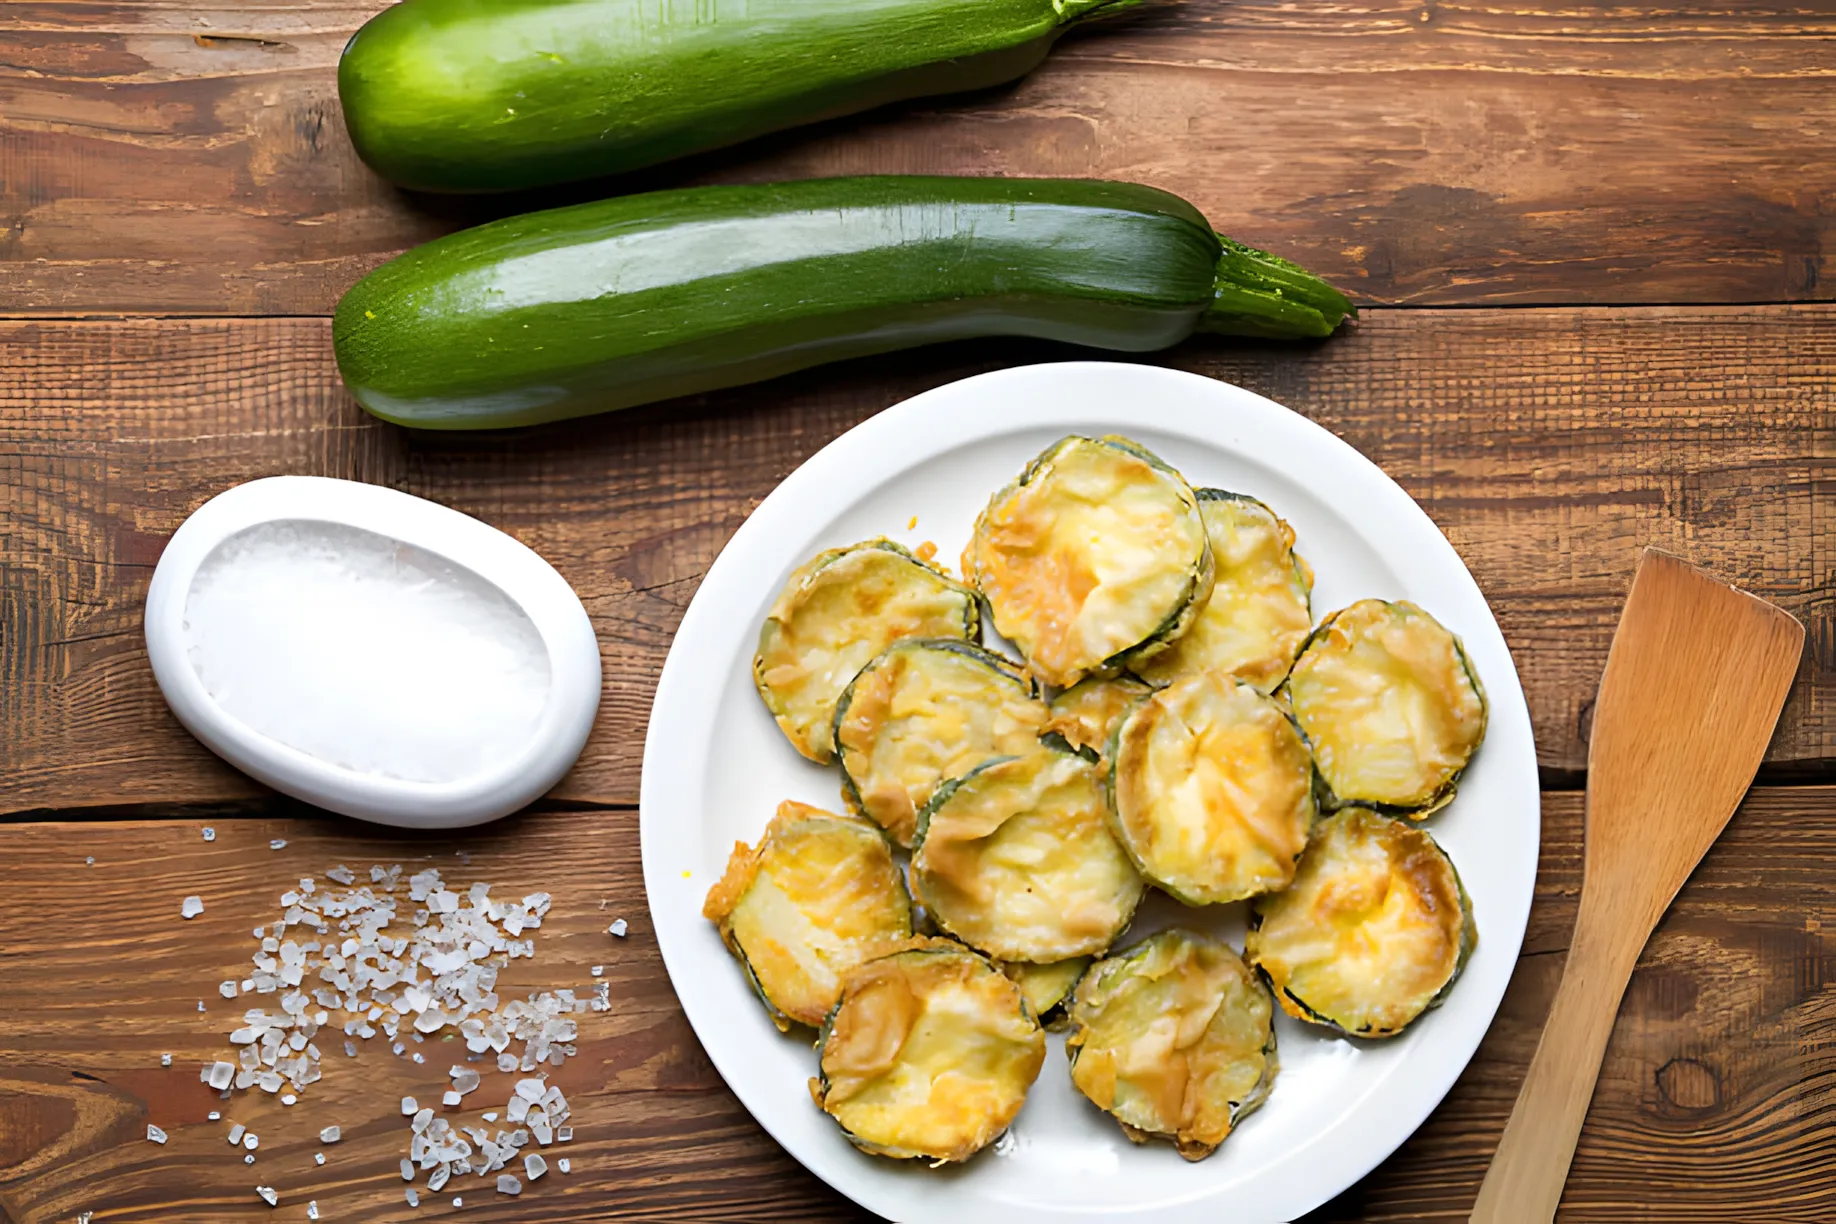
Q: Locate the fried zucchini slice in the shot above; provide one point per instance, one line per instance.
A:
(1047, 987)
(1175, 1038)
(928, 1055)
(1085, 715)
(820, 894)
(1016, 858)
(1372, 933)
(922, 711)
(1095, 557)
(838, 612)
(1258, 614)
(1391, 705)
(1212, 790)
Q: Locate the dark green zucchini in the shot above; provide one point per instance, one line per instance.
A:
(493, 95)
(625, 301)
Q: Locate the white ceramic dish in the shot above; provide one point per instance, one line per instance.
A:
(715, 767)
(295, 668)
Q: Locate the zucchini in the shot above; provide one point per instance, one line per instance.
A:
(1211, 790)
(1085, 715)
(1374, 931)
(1175, 1038)
(833, 616)
(1016, 859)
(1258, 613)
(1391, 705)
(1095, 557)
(928, 1055)
(1047, 987)
(922, 711)
(482, 95)
(639, 298)
(820, 894)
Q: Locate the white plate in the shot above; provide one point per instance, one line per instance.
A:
(716, 766)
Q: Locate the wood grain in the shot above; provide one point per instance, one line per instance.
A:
(164, 158)
(1550, 445)
(1707, 1105)
(1694, 682)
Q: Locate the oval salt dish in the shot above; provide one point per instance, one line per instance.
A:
(372, 652)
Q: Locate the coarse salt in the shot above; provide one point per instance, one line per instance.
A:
(191, 907)
(155, 1134)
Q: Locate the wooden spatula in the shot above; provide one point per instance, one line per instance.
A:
(1694, 682)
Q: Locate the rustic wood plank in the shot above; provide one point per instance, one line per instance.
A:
(1551, 446)
(159, 157)
(1708, 1104)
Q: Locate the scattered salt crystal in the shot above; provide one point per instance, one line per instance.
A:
(155, 1134)
(210, 834)
(191, 907)
(235, 1134)
(565, 1165)
(598, 970)
(215, 1116)
(531, 1090)
(421, 1119)
(331, 1134)
(407, 1170)
(440, 1177)
(464, 1079)
(491, 1117)
(312, 1210)
(451, 1098)
(414, 1199)
(507, 1184)
(221, 1073)
(341, 874)
(318, 1158)
(565, 1134)
(89, 860)
(277, 843)
(458, 1200)
(618, 927)
(534, 1166)
(419, 1058)
(350, 1049)
(200, 1005)
(251, 1141)
(267, 1195)
(165, 1060)
(288, 1099)
(506, 1062)
(397, 1049)
(249, 1159)
(409, 1105)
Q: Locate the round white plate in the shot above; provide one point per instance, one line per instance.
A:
(716, 767)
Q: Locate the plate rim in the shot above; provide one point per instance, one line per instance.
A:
(846, 455)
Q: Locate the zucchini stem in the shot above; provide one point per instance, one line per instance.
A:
(1259, 294)
(1080, 10)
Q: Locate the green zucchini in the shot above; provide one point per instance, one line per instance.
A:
(624, 301)
(491, 95)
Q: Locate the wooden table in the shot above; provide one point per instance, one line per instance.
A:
(1590, 242)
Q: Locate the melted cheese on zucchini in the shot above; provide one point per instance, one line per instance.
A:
(1175, 1038)
(929, 1054)
(1373, 931)
(1213, 790)
(1017, 859)
(1258, 613)
(819, 895)
(1098, 550)
(834, 615)
(924, 711)
(1390, 704)
(1087, 713)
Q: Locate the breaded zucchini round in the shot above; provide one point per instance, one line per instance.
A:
(1174, 1038)
(1258, 614)
(1372, 933)
(820, 894)
(1391, 705)
(1016, 858)
(929, 1054)
(922, 711)
(838, 612)
(1085, 715)
(1047, 987)
(1096, 556)
(1212, 790)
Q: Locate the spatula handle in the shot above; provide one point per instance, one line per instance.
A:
(1524, 1184)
